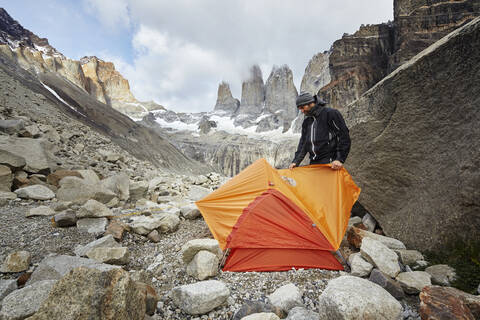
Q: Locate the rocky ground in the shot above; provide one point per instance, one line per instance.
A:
(157, 255)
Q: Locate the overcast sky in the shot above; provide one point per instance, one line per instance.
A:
(177, 52)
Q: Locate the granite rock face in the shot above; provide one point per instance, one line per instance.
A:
(432, 200)
(225, 101)
(253, 93)
(280, 94)
(317, 73)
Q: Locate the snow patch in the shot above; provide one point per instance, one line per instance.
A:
(61, 100)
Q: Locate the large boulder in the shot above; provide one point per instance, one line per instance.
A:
(164, 222)
(192, 247)
(16, 262)
(383, 280)
(55, 267)
(24, 302)
(35, 192)
(110, 255)
(203, 265)
(442, 274)
(118, 184)
(7, 286)
(385, 259)
(412, 139)
(345, 298)
(36, 152)
(359, 266)
(200, 297)
(286, 297)
(6, 179)
(355, 236)
(448, 303)
(93, 294)
(413, 282)
(94, 209)
(106, 241)
(11, 160)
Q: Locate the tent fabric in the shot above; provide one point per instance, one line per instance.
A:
(241, 260)
(303, 210)
(284, 225)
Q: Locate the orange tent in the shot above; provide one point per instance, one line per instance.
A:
(273, 220)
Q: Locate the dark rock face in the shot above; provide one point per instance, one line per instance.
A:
(419, 23)
(225, 101)
(12, 32)
(360, 60)
(415, 142)
(357, 62)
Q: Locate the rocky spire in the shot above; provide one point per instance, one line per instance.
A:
(317, 73)
(253, 93)
(280, 93)
(225, 100)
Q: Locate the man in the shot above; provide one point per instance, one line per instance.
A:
(324, 134)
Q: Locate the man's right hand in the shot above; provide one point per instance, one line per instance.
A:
(292, 165)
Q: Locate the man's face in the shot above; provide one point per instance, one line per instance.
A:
(306, 108)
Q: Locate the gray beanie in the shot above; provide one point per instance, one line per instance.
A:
(304, 98)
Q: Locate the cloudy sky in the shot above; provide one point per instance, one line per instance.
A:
(177, 52)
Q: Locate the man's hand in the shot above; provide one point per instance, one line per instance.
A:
(336, 165)
(292, 165)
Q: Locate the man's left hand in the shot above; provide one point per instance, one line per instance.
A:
(336, 165)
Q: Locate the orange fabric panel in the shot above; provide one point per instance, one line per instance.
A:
(241, 260)
(224, 206)
(274, 221)
(326, 195)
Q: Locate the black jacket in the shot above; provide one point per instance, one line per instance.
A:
(325, 137)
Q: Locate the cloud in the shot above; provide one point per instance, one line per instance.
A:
(184, 48)
(111, 13)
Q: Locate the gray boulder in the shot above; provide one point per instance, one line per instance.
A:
(262, 316)
(190, 211)
(164, 222)
(11, 126)
(119, 184)
(106, 241)
(203, 265)
(442, 274)
(94, 294)
(74, 189)
(200, 297)
(380, 256)
(66, 218)
(55, 267)
(138, 190)
(94, 209)
(286, 297)
(35, 192)
(36, 152)
(24, 302)
(413, 282)
(383, 280)
(409, 257)
(7, 286)
(6, 178)
(359, 266)
(43, 211)
(301, 313)
(92, 225)
(11, 160)
(110, 255)
(352, 298)
(17, 261)
(196, 193)
(192, 247)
